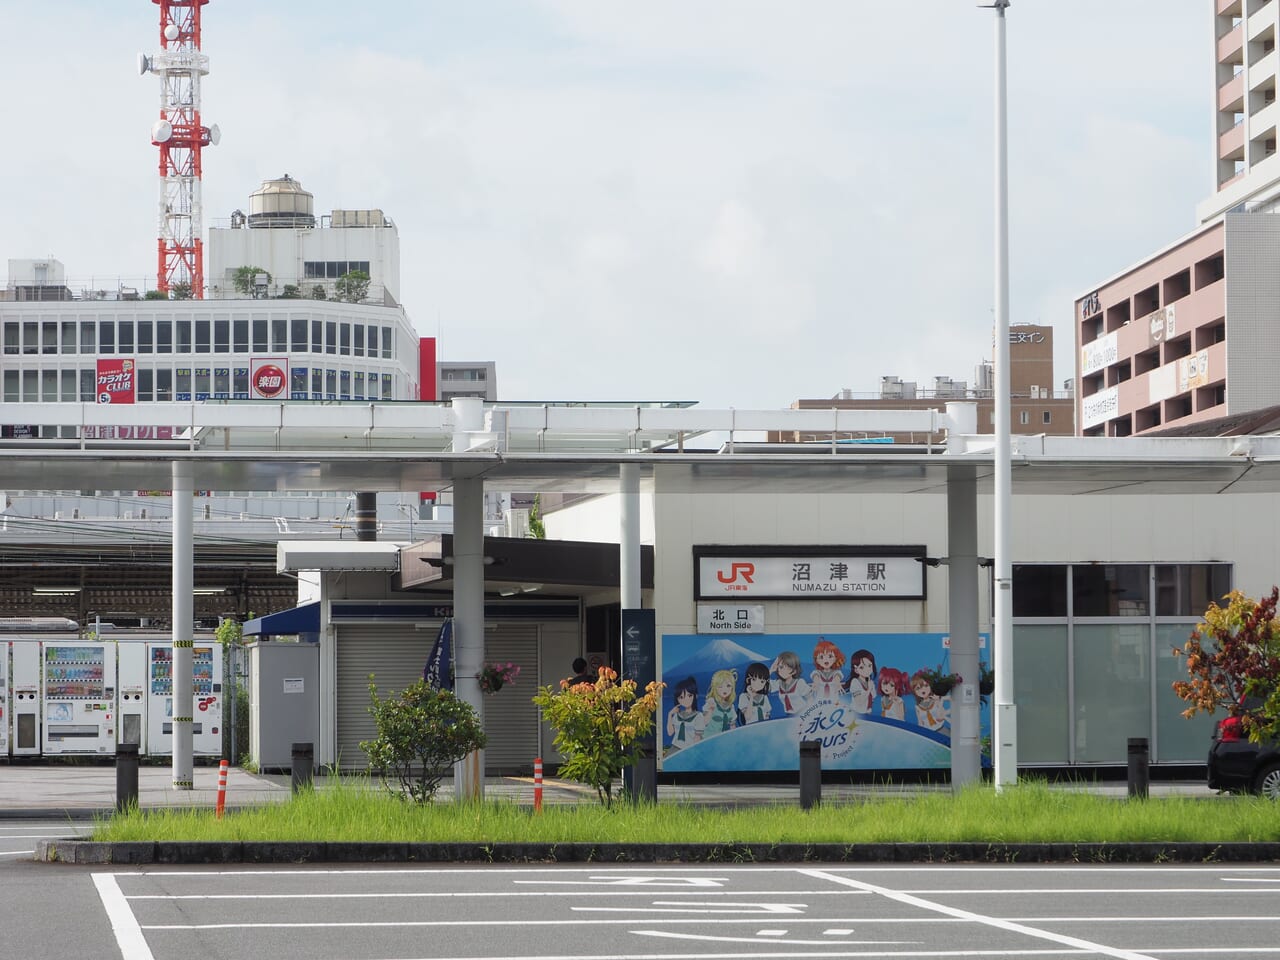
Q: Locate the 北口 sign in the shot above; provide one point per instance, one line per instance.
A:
(808, 573)
(731, 618)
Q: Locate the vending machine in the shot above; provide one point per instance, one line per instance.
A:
(206, 727)
(5, 710)
(132, 660)
(24, 683)
(79, 698)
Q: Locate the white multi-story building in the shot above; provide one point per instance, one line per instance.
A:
(303, 256)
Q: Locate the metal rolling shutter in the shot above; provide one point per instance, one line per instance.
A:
(510, 717)
(395, 655)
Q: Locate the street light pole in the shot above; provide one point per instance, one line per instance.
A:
(1005, 748)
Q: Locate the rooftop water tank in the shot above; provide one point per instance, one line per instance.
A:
(281, 203)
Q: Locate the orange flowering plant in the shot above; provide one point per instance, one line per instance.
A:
(1233, 662)
(597, 726)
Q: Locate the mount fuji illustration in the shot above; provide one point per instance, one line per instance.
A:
(714, 655)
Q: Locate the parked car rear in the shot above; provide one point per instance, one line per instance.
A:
(1236, 763)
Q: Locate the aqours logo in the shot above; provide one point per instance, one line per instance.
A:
(269, 380)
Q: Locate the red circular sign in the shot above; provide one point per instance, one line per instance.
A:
(269, 380)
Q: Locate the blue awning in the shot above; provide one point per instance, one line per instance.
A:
(300, 620)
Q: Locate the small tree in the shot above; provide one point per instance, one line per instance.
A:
(597, 726)
(155, 295)
(235, 729)
(537, 529)
(180, 290)
(318, 292)
(352, 286)
(243, 279)
(290, 291)
(421, 734)
(1233, 655)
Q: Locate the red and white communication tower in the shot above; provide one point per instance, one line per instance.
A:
(180, 135)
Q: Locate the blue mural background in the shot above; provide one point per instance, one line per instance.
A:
(699, 737)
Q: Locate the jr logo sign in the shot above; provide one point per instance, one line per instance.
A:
(745, 571)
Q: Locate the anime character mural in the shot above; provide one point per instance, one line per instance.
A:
(862, 680)
(894, 685)
(719, 713)
(931, 709)
(827, 678)
(753, 702)
(745, 702)
(685, 721)
(791, 689)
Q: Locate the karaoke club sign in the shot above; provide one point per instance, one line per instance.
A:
(269, 378)
(115, 380)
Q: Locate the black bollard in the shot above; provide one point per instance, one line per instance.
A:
(644, 779)
(810, 773)
(1139, 768)
(303, 767)
(126, 776)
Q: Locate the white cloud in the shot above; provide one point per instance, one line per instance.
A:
(737, 201)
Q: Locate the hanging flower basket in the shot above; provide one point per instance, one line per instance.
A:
(986, 680)
(940, 681)
(493, 676)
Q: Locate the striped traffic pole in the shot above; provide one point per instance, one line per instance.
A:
(222, 790)
(537, 785)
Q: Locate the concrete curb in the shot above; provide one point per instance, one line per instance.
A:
(144, 852)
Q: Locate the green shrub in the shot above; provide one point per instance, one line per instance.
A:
(422, 733)
(597, 726)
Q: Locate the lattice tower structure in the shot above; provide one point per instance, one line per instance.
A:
(180, 135)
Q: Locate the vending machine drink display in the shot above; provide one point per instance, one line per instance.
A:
(24, 680)
(79, 698)
(206, 728)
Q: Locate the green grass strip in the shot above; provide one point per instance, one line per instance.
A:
(352, 810)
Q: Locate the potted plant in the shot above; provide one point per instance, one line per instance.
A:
(492, 676)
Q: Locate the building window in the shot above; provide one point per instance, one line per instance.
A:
(330, 336)
(358, 333)
(280, 335)
(221, 335)
(68, 337)
(317, 382)
(373, 341)
(11, 386)
(88, 337)
(344, 339)
(88, 385)
(70, 388)
(164, 384)
(1024, 417)
(386, 343)
(299, 325)
(204, 339)
(146, 383)
(50, 337)
(125, 337)
(1048, 417)
(260, 335)
(164, 336)
(107, 337)
(145, 331)
(240, 335)
(184, 337)
(317, 336)
(11, 345)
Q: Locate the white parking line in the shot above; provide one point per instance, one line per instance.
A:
(133, 945)
(891, 894)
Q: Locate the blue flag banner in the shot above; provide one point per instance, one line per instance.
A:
(438, 671)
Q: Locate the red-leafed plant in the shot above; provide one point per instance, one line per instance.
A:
(1233, 663)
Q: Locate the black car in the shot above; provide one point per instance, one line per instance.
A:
(1237, 763)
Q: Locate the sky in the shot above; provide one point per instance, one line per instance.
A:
(735, 202)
